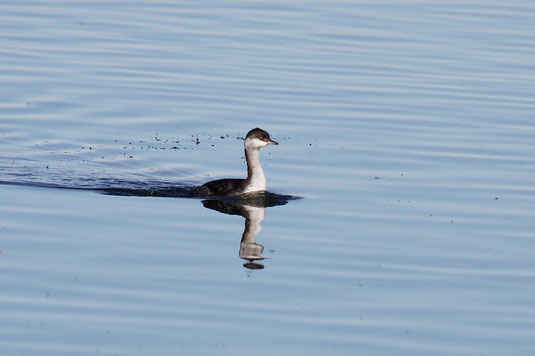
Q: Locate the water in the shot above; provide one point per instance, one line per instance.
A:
(407, 129)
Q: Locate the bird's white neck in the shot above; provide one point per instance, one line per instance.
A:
(256, 181)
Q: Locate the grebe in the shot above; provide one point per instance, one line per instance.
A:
(255, 181)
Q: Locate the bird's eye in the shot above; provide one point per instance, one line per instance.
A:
(261, 138)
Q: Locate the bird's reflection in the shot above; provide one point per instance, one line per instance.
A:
(253, 209)
(251, 206)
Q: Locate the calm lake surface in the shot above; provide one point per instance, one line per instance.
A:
(408, 128)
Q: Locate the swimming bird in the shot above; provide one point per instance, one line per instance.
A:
(255, 181)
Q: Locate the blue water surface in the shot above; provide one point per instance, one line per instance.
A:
(406, 128)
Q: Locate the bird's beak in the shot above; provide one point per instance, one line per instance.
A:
(271, 142)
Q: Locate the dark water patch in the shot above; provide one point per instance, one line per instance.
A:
(233, 205)
(261, 199)
(164, 190)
